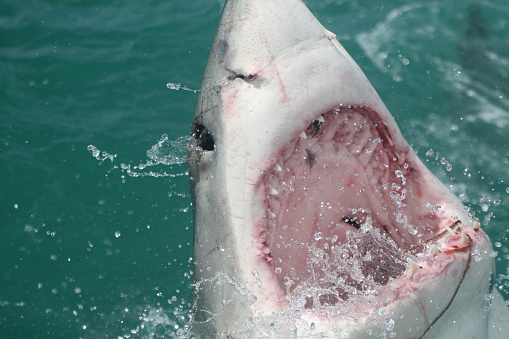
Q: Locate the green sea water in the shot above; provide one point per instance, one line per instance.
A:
(93, 245)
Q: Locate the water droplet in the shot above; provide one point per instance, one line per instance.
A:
(448, 166)
(389, 324)
(173, 86)
(412, 229)
(477, 254)
(318, 236)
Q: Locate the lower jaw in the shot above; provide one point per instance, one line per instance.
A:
(344, 283)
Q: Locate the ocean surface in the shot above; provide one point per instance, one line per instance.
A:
(96, 233)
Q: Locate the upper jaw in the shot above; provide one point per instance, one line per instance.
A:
(274, 66)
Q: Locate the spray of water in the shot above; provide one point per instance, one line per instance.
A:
(164, 152)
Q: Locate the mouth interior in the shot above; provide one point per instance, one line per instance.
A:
(343, 204)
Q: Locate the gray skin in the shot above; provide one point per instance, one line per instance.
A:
(273, 71)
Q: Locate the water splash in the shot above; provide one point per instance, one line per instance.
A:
(101, 156)
(157, 322)
(165, 152)
(168, 152)
(178, 87)
(349, 273)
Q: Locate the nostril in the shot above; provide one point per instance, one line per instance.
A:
(247, 78)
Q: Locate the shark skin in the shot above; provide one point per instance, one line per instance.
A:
(313, 215)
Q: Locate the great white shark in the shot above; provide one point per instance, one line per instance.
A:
(313, 215)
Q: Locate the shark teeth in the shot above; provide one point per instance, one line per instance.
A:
(271, 215)
(413, 267)
(271, 190)
(450, 231)
(397, 154)
(464, 238)
(390, 141)
(277, 168)
(320, 119)
(434, 251)
(303, 135)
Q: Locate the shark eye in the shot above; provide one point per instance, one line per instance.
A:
(203, 137)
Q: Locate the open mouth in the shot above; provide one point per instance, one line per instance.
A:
(344, 206)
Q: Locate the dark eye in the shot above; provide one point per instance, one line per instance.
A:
(203, 137)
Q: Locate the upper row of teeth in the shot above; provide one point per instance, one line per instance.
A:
(322, 120)
(271, 190)
(277, 168)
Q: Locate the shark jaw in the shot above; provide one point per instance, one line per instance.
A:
(313, 216)
(343, 190)
(348, 212)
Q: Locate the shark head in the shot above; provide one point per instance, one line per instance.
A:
(313, 215)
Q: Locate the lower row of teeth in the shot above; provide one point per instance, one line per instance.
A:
(457, 231)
